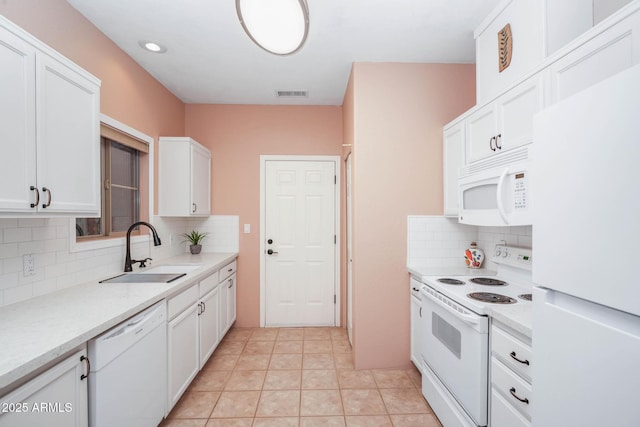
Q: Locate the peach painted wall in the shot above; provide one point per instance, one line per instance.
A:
(128, 93)
(396, 114)
(237, 135)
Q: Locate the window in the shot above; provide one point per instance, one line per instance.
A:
(122, 157)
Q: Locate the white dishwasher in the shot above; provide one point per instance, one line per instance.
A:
(128, 374)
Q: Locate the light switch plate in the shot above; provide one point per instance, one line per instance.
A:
(247, 228)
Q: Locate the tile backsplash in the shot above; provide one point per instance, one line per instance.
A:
(437, 241)
(58, 267)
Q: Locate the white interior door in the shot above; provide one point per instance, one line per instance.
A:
(300, 243)
(349, 251)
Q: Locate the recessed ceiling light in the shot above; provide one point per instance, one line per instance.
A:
(278, 26)
(152, 46)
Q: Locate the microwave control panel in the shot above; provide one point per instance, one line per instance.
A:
(520, 191)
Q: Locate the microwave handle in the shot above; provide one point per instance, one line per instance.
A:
(500, 203)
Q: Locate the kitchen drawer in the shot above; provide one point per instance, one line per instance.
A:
(227, 270)
(208, 284)
(510, 385)
(182, 301)
(504, 414)
(508, 348)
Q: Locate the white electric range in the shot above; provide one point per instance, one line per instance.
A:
(455, 338)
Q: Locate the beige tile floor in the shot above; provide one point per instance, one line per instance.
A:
(281, 377)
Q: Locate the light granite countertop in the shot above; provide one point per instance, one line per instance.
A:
(516, 316)
(37, 331)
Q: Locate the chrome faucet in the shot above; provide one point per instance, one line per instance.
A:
(156, 242)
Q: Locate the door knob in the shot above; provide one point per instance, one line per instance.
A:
(271, 252)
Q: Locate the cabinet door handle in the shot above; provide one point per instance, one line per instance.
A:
(420, 312)
(195, 207)
(32, 188)
(491, 141)
(498, 139)
(199, 308)
(86, 360)
(230, 283)
(48, 191)
(514, 357)
(512, 390)
(204, 307)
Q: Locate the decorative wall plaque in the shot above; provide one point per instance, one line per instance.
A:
(505, 47)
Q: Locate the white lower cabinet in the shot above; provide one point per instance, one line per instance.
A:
(416, 322)
(503, 414)
(198, 317)
(227, 297)
(510, 378)
(183, 350)
(227, 304)
(55, 398)
(209, 318)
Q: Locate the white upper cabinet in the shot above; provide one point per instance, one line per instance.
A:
(509, 43)
(184, 178)
(68, 142)
(598, 56)
(518, 35)
(49, 130)
(17, 122)
(453, 150)
(506, 123)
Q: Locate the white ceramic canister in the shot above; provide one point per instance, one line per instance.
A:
(473, 256)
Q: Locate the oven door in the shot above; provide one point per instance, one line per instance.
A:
(455, 345)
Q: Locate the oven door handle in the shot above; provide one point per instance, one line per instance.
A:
(471, 319)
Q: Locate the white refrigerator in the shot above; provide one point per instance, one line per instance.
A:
(586, 260)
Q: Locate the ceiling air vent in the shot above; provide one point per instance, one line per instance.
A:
(292, 94)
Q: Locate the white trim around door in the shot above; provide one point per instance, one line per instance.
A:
(263, 161)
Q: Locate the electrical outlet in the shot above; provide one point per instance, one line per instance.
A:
(29, 265)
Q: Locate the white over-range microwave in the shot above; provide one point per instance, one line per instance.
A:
(496, 191)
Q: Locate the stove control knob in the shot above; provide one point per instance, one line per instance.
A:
(498, 252)
(505, 254)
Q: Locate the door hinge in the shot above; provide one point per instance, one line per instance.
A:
(334, 298)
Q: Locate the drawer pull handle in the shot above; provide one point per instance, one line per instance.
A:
(513, 356)
(512, 390)
(86, 360)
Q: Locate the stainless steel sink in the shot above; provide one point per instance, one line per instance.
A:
(145, 278)
(169, 268)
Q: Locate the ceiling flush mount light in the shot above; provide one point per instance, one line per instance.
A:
(152, 46)
(278, 26)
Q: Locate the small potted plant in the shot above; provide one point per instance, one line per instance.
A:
(195, 238)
